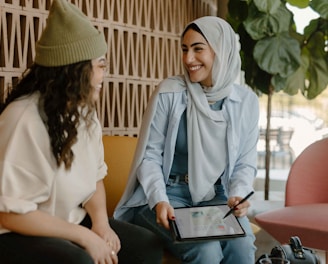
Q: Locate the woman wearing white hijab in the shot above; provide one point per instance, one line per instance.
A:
(203, 125)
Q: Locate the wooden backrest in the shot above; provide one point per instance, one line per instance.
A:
(119, 152)
(308, 177)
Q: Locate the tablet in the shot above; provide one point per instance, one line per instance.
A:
(205, 222)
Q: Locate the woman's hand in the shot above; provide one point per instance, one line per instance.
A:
(99, 249)
(164, 213)
(241, 209)
(96, 208)
(108, 235)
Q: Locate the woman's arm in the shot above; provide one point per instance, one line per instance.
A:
(96, 208)
(38, 223)
(96, 205)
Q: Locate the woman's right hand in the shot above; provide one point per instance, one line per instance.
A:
(100, 250)
(164, 213)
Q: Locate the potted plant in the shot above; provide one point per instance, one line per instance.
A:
(277, 58)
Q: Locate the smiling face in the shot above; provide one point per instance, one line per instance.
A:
(198, 57)
(99, 67)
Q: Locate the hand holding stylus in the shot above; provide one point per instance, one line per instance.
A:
(240, 202)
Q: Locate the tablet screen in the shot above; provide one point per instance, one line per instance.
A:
(205, 222)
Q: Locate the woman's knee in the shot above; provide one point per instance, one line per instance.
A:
(239, 250)
(139, 245)
(41, 250)
(203, 252)
(64, 251)
(80, 256)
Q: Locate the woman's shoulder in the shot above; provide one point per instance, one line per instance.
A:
(23, 110)
(240, 92)
(172, 84)
(21, 122)
(22, 104)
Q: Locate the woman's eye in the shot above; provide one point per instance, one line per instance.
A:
(103, 66)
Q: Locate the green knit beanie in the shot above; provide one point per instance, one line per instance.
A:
(68, 37)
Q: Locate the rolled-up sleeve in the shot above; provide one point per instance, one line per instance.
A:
(21, 190)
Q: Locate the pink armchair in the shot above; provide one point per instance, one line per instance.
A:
(306, 201)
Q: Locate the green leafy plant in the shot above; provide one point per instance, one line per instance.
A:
(277, 58)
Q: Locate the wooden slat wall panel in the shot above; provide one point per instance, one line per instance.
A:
(143, 39)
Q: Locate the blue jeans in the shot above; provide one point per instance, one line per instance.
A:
(237, 250)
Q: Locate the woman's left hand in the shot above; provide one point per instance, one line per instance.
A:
(109, 235)
(241, 209)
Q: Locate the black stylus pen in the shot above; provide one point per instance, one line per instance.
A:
(240, 202)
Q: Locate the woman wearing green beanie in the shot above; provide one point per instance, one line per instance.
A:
(52, 197)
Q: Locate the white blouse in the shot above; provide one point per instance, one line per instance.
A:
(29, 176)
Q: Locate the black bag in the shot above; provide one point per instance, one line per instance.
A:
(294, 252)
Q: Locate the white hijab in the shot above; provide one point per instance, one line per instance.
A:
(207, 150)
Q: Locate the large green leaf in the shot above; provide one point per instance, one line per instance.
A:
(316, 25)
(311, 28)
(278, 82)
(318, 77)
(260, 25)
(318, 65)
(278, 55)
(299, 3)
(268, 6)
(296, 81)
(256, 23)
(316, 45)
(321, 6)
(311, 77)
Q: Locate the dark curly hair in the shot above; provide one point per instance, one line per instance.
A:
(63, 91)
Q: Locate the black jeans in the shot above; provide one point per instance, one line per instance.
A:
(138, 246)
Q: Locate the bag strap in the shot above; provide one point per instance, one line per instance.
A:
(297, 247)
(262, 257)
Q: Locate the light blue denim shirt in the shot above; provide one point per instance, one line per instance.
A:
(241, 111)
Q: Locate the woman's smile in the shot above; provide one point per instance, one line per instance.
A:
(198, 57)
